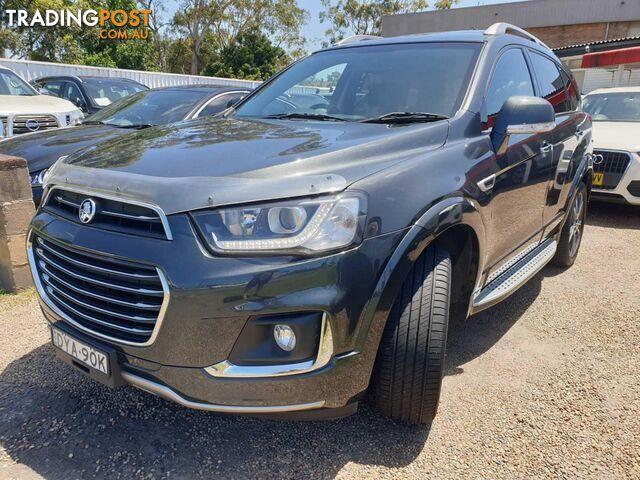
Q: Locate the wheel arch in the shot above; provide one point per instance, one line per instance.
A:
(455, 223)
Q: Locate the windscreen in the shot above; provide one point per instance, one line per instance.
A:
(12, 84)
(151, 107)
(613, 107)
(103, 92)
(363, 82)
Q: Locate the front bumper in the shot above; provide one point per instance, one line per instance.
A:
(626, 188)
(211, 300)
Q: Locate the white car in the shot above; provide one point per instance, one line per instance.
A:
(24, 110)
(616, 143)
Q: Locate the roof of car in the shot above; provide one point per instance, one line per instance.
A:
(96, 77)
(454, 36)
(616, 90)
(207, 87)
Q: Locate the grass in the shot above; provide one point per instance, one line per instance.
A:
(12, 299)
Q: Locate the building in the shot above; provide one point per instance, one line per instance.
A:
(598, 39)
(558, 23)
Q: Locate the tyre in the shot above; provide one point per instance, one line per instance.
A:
(409, 366)
(571, 236)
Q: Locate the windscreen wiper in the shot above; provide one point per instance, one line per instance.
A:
(306, 116)
(138, 126)
(406, 117)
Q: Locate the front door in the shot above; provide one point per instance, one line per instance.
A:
(521, 171)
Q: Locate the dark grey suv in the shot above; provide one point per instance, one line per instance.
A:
(311, 244)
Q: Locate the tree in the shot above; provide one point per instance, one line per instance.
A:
(223, 21)
(252, 57)
(364, 17)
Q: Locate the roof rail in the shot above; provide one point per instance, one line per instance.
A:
(501, 28)
(356, 38)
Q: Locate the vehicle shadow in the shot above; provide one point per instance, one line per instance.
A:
(612, 215)
(62, 425)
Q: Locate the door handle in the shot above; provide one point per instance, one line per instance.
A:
(546, 148)
(487, 184)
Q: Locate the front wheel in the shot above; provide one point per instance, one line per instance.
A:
(408, 371)
(571, 236)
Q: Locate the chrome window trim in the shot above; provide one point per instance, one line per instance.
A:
(47, 301)
(115, 198)
(226, 369)
(167, 393)
(196, 114)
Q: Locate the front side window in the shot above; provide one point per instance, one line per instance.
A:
(53, 87)
(220, 103)
(510, 78)
(73, 94)
(613, 107)
(12, 84)
(551, 83)
(364, 82)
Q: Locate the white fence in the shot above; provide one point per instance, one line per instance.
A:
(30, 70)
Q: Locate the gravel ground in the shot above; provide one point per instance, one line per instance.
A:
(545, 385)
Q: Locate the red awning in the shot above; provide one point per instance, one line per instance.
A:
(612, 57)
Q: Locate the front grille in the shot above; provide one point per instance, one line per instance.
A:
(613, 165)
(634, 188)
(110, 215)
(111, 298)
(38, 123)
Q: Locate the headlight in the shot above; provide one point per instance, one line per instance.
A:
(75, 118)
(38, 178)
(299, 226)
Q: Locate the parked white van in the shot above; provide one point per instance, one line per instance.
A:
(24, 110)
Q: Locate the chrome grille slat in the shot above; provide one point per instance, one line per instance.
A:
(84, 278)
(96, 268)
(133, 331)
(105, 296)
(140, 218)
(97, 309)
(139, 306)
(46, 122)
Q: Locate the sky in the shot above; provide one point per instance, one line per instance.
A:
(314, 30)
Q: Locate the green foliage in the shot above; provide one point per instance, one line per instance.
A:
(364, 17)
(239, 38)
(252, 57)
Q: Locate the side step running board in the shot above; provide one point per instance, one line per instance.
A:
(515, 276)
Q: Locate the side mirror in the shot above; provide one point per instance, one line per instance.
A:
(43, 91)
(521, 115)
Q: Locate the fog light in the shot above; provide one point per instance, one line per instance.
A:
(285, 338)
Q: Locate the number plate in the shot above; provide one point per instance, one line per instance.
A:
(598, 179)
(80, 351)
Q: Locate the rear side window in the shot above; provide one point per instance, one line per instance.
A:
(573, 97)
(551, 83)
(510, 77)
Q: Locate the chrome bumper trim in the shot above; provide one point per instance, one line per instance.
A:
(169, 394)
(227, 369)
